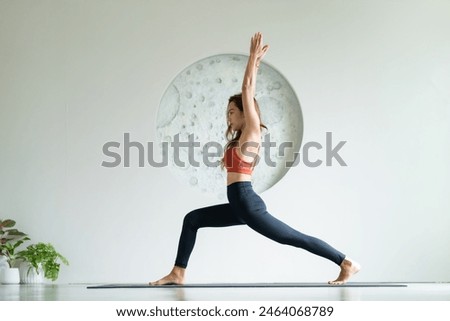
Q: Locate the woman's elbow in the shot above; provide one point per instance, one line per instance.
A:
(247, 88)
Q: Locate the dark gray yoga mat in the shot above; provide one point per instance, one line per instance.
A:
(248, 285)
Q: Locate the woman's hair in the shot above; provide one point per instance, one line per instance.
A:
(233, 136)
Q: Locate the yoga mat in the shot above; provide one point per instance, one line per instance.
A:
(247, 285)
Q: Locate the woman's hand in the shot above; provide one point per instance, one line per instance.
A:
(257, 50)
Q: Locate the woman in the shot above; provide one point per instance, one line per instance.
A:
(245, 206)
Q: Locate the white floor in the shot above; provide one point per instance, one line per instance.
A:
(79, 292)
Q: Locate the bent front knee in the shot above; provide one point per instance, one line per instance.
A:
(191, 219)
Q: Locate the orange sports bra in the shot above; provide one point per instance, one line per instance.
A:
(233, 163)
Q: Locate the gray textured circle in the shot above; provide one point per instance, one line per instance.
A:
(195, 104)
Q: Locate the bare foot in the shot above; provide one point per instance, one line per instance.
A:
(348, 269)
(175, 277)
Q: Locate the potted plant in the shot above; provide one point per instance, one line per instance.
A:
(10, 240)
(40, 260)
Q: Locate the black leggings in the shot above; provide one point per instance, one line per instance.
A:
(246, 207)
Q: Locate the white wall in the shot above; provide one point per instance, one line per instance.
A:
(77, 74)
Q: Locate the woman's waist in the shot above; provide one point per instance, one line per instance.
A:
(240, 184)
(233, 177)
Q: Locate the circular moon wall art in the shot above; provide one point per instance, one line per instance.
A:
(191, 122)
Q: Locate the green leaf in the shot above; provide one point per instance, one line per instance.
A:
(63, 259)
(7, 223)
(15, 232)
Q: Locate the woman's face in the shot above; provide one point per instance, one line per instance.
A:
(235, 117)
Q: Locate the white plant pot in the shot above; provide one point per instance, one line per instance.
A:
(28, 274)
(3, 262)
(9, 276)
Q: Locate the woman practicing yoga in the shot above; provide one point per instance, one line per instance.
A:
(245, 206)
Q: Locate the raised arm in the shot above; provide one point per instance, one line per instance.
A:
(252, 122)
